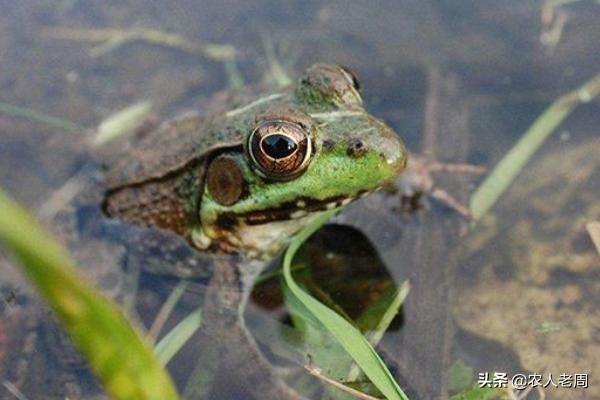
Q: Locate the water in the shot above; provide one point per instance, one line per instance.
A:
(461, 81)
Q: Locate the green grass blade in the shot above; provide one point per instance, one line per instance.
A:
(505, 172)
(116, 353)
(376, 320)
(173, 341)
(166, 310)
(347, 335)
(36, 116)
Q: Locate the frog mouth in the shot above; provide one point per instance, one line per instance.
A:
(298, 209)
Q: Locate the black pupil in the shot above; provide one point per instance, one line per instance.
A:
(278, 146)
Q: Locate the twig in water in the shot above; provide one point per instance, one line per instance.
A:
(316, 372)
(110, 39)
(14, 390)
(31, 115)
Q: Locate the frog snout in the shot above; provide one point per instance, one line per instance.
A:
(392, 150)
(397, 156)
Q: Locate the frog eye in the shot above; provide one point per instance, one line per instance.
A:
(280, 150)
(329, 84)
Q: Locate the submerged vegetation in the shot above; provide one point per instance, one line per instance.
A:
(121, 357)
(515, 160)
(114, 349)
(340, 352)
(117, 353)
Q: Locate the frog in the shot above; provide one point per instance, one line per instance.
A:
(215, 197)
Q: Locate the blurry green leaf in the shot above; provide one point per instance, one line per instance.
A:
(507, 169)
(346, 334)
(116, 353)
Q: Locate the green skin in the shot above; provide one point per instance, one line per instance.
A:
(326, 99)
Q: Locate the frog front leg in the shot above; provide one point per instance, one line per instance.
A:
(418, 181)
(230, 279)
(225, 301)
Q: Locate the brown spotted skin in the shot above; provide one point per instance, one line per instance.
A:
(171, 148)
(163, 203)
(158, 179)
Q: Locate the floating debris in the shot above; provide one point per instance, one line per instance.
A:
(111, 39)
(22, 112)
(122, 123)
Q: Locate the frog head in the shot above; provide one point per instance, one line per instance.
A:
(310, 148)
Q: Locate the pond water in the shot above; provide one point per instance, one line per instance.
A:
(460, 81)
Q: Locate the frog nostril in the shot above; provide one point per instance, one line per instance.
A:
(356, 148)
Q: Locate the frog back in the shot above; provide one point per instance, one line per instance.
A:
(169, 149)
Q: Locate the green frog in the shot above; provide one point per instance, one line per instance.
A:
(216, 197)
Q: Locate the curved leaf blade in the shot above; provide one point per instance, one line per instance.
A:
(114, 349)
(346, 334)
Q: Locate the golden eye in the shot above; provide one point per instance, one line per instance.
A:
(280, 150)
